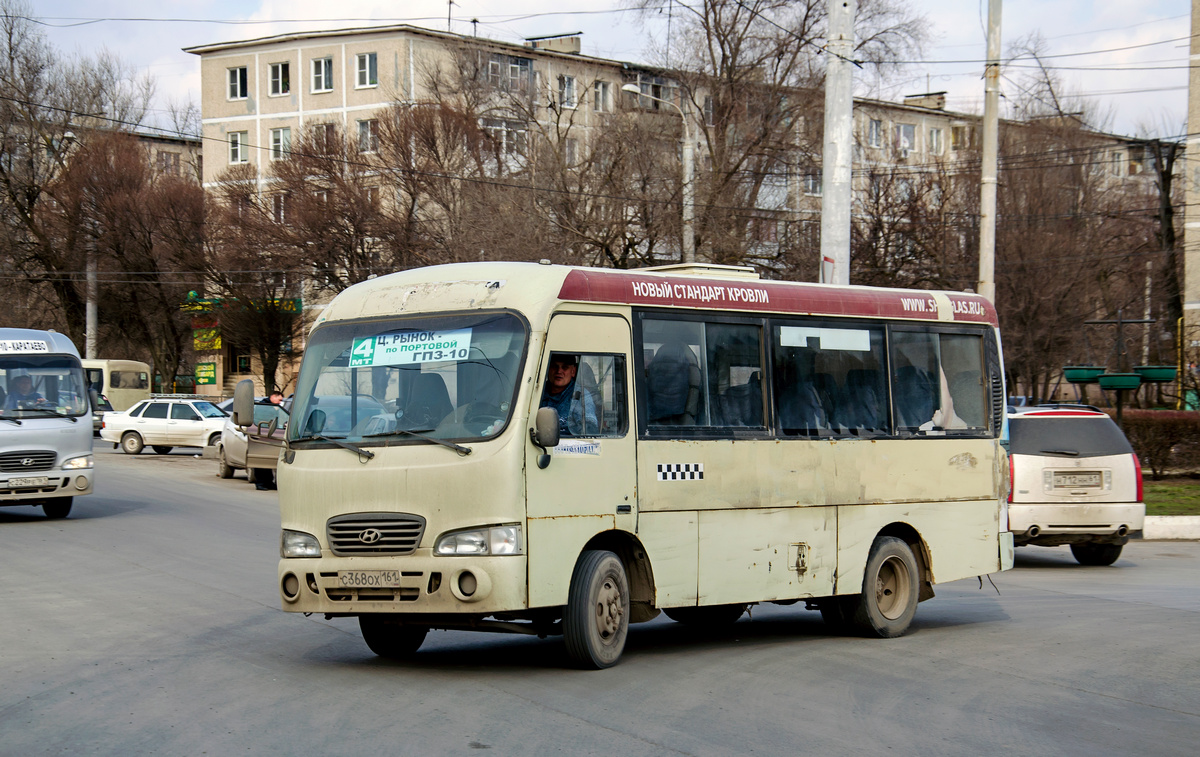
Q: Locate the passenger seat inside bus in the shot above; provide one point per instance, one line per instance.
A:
(860, 406)
(673, 386)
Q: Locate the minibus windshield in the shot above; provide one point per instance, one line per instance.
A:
(442, 377)
(38, 385)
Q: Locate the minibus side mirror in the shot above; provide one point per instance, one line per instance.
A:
(243, 403)
(544, 433)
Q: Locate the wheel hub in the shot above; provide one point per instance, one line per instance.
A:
(609, 610)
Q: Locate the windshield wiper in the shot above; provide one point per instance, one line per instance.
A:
(338, 441)
(10, 420)
(1067, 452)
(71, 418)
(464, 451)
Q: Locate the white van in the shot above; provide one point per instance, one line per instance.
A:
(45, 422)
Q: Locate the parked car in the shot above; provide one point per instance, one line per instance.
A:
(98, 410)
(163, 424)
(235, 451)
(1075, 481)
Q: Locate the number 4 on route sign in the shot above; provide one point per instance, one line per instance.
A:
(363, 352)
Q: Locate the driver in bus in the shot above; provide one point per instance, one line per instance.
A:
(575, 406)
(21, 393)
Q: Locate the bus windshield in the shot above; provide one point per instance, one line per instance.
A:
(33, 385)
(451, 378)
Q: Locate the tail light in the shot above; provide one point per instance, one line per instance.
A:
(1137, 471)
(1012, 480)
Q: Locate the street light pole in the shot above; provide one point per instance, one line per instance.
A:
(689, 187)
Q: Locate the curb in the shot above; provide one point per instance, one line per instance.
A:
(1164, 527)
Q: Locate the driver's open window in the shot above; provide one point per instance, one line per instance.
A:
(593, 403)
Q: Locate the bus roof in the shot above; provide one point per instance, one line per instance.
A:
(536, 289)
(34, 342)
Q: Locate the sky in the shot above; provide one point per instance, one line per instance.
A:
(1128, 58)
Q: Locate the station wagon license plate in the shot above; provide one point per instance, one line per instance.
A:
(36, 481)
(1077, 480)
(369, 579)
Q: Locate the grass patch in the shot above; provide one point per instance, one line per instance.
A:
(1173, 495)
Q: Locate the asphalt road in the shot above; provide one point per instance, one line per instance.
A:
(149, 623)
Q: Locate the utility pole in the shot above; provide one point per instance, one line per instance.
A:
(838, 149)
(991, 155)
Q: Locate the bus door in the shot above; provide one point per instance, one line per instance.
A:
(590, 484)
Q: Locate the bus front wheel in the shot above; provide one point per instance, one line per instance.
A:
(57, 508)
(891, 585)
(395, 641)
(596, 619)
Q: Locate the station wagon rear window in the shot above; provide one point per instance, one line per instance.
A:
(1067, 436)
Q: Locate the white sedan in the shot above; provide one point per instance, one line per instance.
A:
(164, 424)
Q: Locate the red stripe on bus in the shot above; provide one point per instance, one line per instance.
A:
(767, 296)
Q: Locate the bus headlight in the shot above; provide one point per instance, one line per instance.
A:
(298, 544)
(78, 463)
(497, 540)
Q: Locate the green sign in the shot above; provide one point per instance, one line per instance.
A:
(206, 373)
(362, 352)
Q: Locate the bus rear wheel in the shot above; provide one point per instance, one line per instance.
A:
(596, 619)
(389, 638)
(891, 586)
(1096, 554)
(58, 508)
(713, 615)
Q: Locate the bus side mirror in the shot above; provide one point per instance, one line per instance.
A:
(243, 403)
(544, 433)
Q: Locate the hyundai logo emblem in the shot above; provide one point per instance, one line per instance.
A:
(370, 536)
(27, 462)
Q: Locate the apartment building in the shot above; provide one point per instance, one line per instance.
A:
(259, 95)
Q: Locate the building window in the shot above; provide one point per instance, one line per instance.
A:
(373, 197)
(326, 137)
(168, 163)
(281, 143)
(512, 74)
(709, 111)
(812, 183)
(1118, 164)
(243, 363)
(279, 208)
(368, 135)
(281, 80)
(875, 133)
(962, 137)
(322, 75)
(238, 83)
(601, 97)
(237, 147)
(935, 141)
(566, 91)
(368, 71)
(570, 151)
(906, 138)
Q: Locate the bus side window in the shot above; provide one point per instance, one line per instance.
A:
(937, 381)
(602, 379)
(734, 374)
(673, 375)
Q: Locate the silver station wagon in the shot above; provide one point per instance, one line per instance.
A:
(1075, 481)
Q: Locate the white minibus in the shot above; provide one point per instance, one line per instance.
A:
(123, 382)
(45, 422)
(547, 450)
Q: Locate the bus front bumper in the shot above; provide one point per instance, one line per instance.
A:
(19, 489)
(476, 586)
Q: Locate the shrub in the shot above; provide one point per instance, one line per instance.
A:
(1163, 438)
